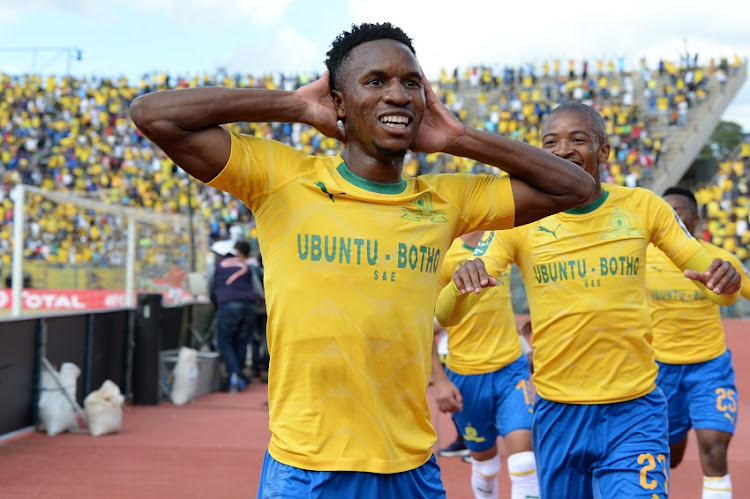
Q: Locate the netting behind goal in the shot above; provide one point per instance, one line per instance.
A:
(80, 253)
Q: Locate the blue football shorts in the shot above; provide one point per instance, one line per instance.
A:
(278, 480)
(495, 403)
(702, 396)
(602, 450)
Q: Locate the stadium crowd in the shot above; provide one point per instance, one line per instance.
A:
(726, 204)
(74, 135)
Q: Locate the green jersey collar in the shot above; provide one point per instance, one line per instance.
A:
(589, 207)
(369, 185)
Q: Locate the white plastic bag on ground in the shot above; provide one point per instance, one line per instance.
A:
(185, 375)
(104, 409)
(55, 410)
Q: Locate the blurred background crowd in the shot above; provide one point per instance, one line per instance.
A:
(74, 135)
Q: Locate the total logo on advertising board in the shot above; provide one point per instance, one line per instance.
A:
(64, 299)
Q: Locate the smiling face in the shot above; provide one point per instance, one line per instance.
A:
(381, 100)
(571, 135)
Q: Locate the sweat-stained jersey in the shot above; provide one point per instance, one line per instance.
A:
(687, 325)
(486, 340)
(351, 269)
(584, 272)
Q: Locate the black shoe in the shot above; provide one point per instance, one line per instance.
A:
(457, 448)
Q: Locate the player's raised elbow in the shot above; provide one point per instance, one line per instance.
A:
(142, 114)
(147, 116)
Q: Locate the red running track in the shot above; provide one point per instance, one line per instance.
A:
(214, 448)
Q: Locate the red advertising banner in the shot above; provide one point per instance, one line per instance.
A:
(79, 299)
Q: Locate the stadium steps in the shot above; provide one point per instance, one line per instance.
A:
(683, 144)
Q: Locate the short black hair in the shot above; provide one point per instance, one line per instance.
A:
(680, 191)
(347, 40)
(597, 121)
(243, 247)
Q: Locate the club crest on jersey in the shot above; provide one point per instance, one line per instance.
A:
(423, 210)
(620, 224)
(472, 435)
(484, 243)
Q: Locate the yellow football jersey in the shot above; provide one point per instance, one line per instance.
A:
(585, 281)
(457, 254)
(486, 340)
(687, 326)
(351, 272)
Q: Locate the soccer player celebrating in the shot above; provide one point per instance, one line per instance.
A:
(351, 250)
(600, 422)
(695, 366)
(487, 386)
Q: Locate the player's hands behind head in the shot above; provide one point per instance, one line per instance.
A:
(321, 112)
(439, 126)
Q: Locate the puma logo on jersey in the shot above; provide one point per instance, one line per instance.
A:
(548, 231)
(323, 188)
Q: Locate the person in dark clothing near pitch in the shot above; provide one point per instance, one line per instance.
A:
(234, 297)
(258, 344)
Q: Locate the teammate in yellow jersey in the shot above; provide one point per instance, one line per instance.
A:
(487, 387)
(461, 249)
(600, 422)
(695, 366)
(351, 249)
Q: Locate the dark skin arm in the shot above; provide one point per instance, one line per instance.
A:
(185, 123)
(543, 184)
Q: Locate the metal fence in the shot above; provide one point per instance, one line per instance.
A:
(73, 253)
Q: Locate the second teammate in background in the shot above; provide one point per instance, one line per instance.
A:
(695, 366)
(487, 386)
(594, 366)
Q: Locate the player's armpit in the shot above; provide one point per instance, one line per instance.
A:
(699, 264)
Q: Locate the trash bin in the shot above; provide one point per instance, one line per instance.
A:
(146, 350)
(209, 372)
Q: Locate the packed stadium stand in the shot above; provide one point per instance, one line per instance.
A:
(74, 135)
